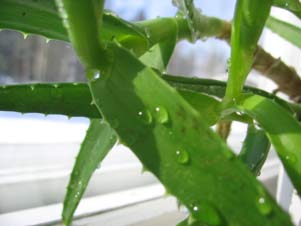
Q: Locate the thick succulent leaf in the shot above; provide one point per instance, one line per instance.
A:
(249, 20)
(99, 140)
(41, 17)
(286, 30)
(52, 98)
(218, 89)
(291, 5)
(64, 98)
(38, 17)
(255, 149)
(283, 130)
(172, 140)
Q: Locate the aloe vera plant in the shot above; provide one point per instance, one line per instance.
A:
(164, 119)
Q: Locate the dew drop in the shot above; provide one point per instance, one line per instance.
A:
(145, 117)
(161, 115)
(263, 205)
(290, 157)
(182, 156)
(206, 213)
(93, 74)
(77, 194)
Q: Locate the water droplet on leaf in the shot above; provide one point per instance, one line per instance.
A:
(93, 74)
(182, 156)
(145, 117)
(77, 194)
(290, 157)
(161, 115)
(206, 213)
(264, 206)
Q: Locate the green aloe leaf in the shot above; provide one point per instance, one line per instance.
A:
(208, 107)
(172, 140)
(64, 98)
(41, 17)
(255, 149)
(286, 30)
(99, 140)
(52, 98)
(286, 139)
(38, 17)
(249, 20)
(152, 119)
(291, 5)
(158, 56)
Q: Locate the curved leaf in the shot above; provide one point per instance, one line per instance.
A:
(41, 17)
(255, 149)
(283, 130)
(287, 31)
(38, 17)
(99, 140)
